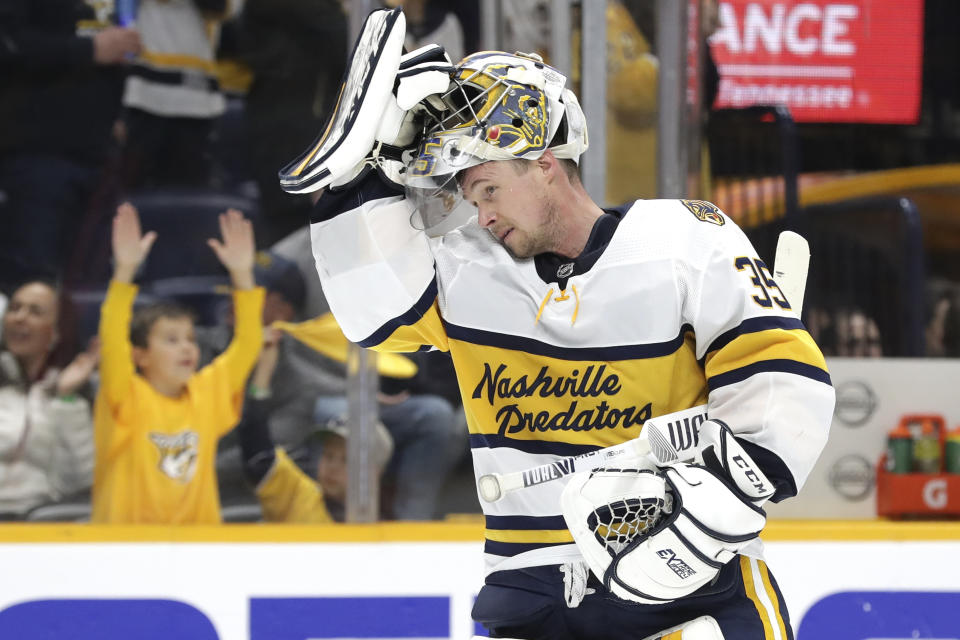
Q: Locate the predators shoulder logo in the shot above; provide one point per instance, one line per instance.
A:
(705, 211)
(178, 454)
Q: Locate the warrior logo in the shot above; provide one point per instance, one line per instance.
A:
(676, 565)
(178, 454)
(705, 211)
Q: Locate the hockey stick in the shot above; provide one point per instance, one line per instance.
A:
(791, 264)
(654, 439)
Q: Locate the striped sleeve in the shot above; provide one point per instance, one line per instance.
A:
(766, 376)
(376, 269)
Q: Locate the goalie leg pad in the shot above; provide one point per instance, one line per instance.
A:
(702, 628)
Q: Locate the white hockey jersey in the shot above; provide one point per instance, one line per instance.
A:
(676, 311)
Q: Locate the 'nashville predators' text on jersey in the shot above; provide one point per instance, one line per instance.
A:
(669, 307)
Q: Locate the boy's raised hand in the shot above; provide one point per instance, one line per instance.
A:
(130, 246)
(236, 251)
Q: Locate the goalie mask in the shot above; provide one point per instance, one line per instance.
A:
(501, 107)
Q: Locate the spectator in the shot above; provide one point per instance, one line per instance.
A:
(172, 96)
(158, 419)
(453, 24)
(847, 331)
(942, 331)
(421, 409)
(286, 493)
(46, 430)
(3, 309)
(301, 374)
(632, 87)
(296, 51)
(62, 69)
(310, 388)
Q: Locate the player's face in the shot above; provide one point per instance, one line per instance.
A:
(171, 355)
(30, 322)
(515, 204)
(332, 468)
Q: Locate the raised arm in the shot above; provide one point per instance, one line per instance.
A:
(377, 270)
(235, 250)
(130, 249)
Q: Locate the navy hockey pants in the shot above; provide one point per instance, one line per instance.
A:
(529, 603)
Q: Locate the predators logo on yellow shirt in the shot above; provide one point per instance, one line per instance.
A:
(178, 454)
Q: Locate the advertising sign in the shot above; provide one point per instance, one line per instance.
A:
(841, 590)
(873, 394)
(854, 61)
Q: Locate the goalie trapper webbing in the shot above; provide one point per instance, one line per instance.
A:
(615, 525)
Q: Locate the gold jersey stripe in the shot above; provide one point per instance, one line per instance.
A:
(772, 594)
(751, 591)
(529, 536)
(772, 344)
(178, 61)
(427, 330)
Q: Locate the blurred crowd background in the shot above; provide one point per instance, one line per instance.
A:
(188, 108)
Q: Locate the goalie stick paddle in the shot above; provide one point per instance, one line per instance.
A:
(791, 264)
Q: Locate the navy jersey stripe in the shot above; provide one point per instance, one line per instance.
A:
(526, 523)
(368, 186)
(509, 549)
(754, 325)
(536, 347)
(410, 316)
(766, 366)
(494, 441)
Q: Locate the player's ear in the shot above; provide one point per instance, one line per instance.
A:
(548, 164)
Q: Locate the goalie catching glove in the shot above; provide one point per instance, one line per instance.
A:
(709, 512)
(379, 114)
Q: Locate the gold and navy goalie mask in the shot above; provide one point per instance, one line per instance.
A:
(500, 106)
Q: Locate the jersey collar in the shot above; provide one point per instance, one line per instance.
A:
(555, 268)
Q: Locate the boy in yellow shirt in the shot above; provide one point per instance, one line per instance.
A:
(157, 419)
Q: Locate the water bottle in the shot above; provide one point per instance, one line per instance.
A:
(899, 450)
(951, 456)
(926, 449)
(126, 12)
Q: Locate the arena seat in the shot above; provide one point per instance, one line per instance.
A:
(87, 303)
(208, 296)
(183, 218)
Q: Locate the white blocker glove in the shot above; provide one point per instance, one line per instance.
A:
(380, 88)
(705, 521)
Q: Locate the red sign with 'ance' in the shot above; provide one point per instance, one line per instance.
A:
(854, 61)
